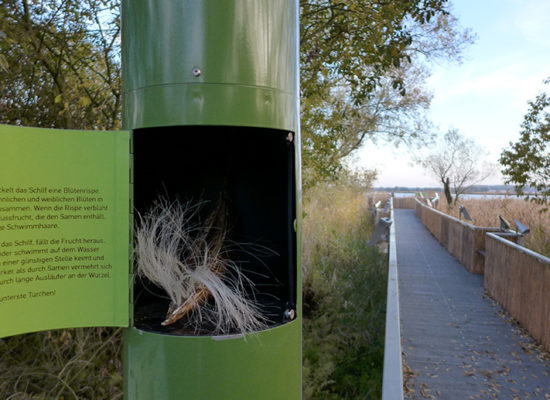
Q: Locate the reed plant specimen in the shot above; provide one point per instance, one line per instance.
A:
(190, 261)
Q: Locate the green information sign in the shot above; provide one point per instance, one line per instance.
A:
(64, 229)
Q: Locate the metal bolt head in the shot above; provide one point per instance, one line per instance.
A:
(290, 137)
(290, 314)
(196, 72)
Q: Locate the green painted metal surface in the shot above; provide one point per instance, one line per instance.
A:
(211, 62)
(217, 63)
(266, 366)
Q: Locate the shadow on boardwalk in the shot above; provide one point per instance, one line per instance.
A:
(457, 343)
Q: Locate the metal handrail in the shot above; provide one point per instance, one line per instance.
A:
(392, 385)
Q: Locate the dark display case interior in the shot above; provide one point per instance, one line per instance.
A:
(248, 171)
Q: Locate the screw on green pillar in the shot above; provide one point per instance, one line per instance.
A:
(193, 72)
(190, 62)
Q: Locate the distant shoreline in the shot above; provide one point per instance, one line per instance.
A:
(478, 190)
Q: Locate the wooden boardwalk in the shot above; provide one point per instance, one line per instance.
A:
(456, 342)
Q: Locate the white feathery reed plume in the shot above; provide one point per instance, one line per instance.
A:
(189, 262)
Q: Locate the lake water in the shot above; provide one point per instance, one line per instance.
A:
(466, 195)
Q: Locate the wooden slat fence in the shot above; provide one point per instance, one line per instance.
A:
(519, 279)
(404, 202)
(463, 240)
(516, 277)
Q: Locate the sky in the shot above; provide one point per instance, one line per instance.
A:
(485, 97)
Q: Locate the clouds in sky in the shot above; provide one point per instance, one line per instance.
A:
(486, 96)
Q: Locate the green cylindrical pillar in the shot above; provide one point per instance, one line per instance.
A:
(211, 96)
(209, 62)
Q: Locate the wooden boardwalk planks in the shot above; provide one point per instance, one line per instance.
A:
(457, 342)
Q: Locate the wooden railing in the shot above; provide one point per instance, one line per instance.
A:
(463, 240)
(404, 202)
(519, 279)
(516, 277)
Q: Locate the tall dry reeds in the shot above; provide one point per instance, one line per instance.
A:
(485, 212)
(344, 288)
(332, 216)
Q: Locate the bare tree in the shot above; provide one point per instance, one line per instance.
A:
(458, 163)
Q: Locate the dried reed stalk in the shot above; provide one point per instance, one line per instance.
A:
(190, 262)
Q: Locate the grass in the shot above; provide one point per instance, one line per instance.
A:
(83, 363)
(344, 283)
(485, 212)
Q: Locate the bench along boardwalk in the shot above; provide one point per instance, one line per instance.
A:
(457, 342)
